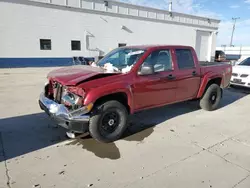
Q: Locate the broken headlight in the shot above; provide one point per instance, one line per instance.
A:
(71, 100)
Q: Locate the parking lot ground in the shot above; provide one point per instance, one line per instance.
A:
(175, 146)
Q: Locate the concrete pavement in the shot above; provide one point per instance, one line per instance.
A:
(174, 146)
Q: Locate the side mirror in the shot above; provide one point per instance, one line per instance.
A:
(146, 69)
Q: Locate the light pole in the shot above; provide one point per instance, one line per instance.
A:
(170, 6)
(234, 23)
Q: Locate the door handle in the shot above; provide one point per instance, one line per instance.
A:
(194, 73)
(170, 77)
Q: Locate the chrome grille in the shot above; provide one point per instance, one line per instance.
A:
(57, 92)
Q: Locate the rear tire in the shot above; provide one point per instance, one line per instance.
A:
(211, 99)
(108, 121)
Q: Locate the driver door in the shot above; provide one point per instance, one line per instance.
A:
(158, 88)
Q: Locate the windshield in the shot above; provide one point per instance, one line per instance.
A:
(245, 62)
(122, 58)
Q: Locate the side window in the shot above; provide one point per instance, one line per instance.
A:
(122, 44)
(184, 59)
(161, 60)
(45, 44)
(75, 45)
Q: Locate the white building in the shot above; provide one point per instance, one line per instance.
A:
(242, 51)
(43, 32)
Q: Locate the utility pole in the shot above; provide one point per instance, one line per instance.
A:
(234, 23)
(170, 6)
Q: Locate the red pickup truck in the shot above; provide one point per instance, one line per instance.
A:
(98, 99)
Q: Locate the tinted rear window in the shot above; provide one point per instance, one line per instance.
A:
(184, 59)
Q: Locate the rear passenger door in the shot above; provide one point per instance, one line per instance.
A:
(187, 76)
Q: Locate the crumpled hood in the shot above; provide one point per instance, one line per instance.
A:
(76, 74)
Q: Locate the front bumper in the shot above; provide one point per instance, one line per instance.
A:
(76, 121)
(244, 82)
(242, 85)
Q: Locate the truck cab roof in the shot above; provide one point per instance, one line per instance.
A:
(147, 47)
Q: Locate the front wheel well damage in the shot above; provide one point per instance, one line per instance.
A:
(120, 97)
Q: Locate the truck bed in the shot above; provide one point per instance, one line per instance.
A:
(209, 64)
(219, 68)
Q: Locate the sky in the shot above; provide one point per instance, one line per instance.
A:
(223, 10)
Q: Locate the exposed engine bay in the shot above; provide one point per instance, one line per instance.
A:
(62, 95)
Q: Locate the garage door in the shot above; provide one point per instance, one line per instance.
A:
(202, 45)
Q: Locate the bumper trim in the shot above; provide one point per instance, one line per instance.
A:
(60, 114)
(240, 85)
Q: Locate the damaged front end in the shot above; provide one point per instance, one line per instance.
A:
(65, 107)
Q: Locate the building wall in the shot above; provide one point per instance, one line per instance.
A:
(243, 51)
(99, 28)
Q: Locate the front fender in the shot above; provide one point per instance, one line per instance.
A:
(96, 93)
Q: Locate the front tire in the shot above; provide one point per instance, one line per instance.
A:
(211, 99)
(108, 121)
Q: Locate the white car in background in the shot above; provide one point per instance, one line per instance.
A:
(241, 74)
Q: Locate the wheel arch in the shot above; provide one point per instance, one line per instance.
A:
(207, 82)
(121, 97)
